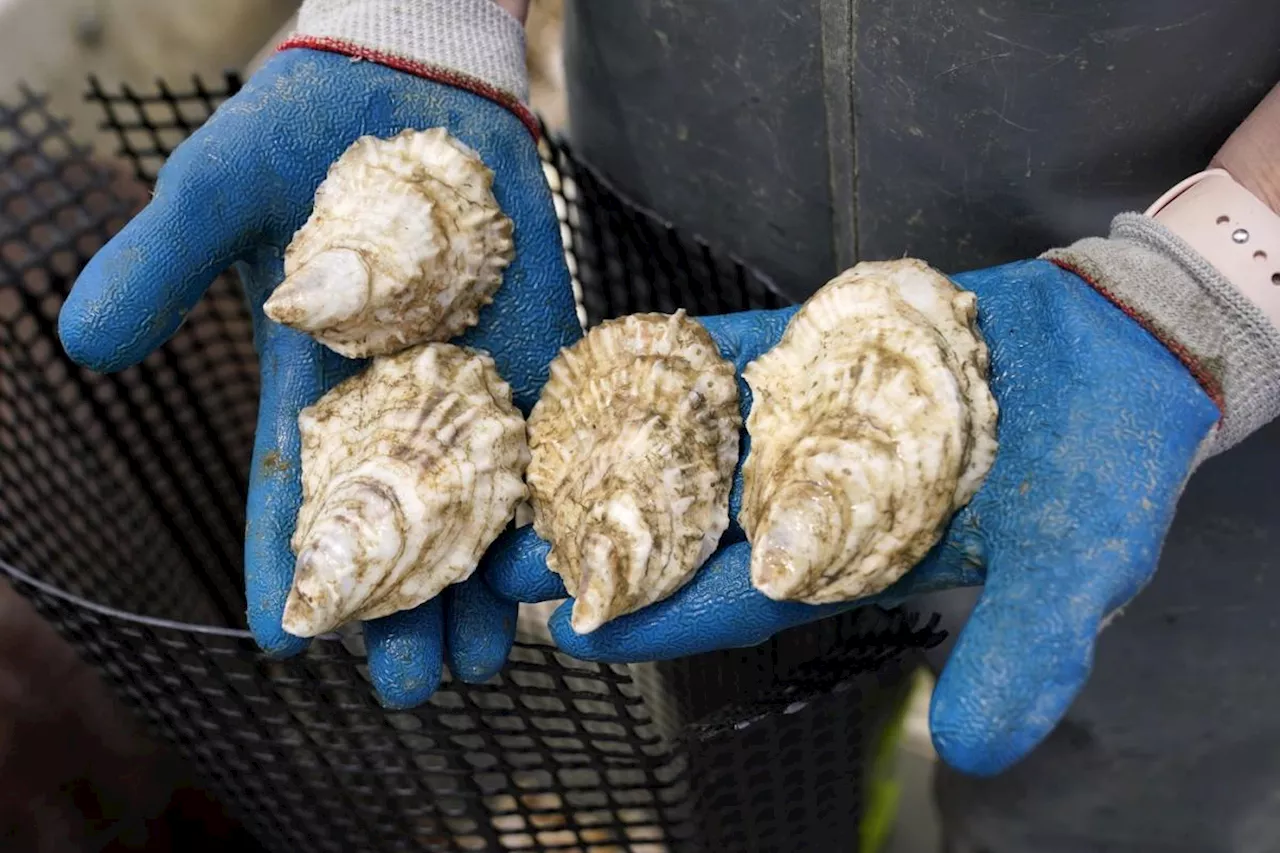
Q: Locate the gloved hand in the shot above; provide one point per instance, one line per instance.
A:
(234, 193)
(1099, 427)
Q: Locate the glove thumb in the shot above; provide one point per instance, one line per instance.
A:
(136, 291)
(1025, 653)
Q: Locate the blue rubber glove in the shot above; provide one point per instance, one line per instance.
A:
(1099, 425)
(234, 193)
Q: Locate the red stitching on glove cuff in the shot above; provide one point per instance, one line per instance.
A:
(1206, 379)
(420, 69)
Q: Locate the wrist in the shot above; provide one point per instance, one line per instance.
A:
(476, 45)
(1251, 154)
(1201, 272)
(518, 9)
(1229, 215)
(1204, 321)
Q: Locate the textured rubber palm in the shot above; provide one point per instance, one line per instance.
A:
(1099, 426)
(233, 194)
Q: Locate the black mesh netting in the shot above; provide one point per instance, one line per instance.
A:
(121, 517)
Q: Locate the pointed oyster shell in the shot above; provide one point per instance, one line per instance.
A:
(404, 245)
(871, 424)
(633, 444)
(410, 470)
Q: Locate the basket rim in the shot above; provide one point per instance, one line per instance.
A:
(21, 577)
(114, 613)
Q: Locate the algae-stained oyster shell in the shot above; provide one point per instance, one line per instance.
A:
(410, 470)
(405, 243)
(871, 424)
(633, 445)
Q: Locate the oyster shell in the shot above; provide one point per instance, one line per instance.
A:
(410, 470)
(871, 424)
(633, 445)
(405, 244)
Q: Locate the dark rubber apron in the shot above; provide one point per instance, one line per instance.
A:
(804, 136)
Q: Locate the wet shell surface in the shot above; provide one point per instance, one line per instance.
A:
(871, 424)
(633, 445)
(405, 243)
(410, 470)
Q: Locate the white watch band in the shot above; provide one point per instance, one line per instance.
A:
(1231, 229)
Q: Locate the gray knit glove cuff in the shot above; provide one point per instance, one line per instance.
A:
(471, 44)
(1227, 343)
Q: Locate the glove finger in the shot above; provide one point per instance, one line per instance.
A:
(515, 568)
(406, 654)
(734, 532)
(718, 609)
(747, 335)
(742, 338)
(295, 372)
(480, 628)
(1027, 649)
(137, 290)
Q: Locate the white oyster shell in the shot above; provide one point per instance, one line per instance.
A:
(633, 445)
(410, 470)
(871, 424)
(405, 243)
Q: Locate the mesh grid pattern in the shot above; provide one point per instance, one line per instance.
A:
(626, 259)
(121, 517)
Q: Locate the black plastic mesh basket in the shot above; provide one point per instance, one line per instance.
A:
(122, 515)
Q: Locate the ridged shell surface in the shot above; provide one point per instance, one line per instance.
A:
(633, 445)
(410, 470)
(871, 424)
(405, 243)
